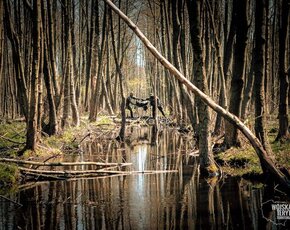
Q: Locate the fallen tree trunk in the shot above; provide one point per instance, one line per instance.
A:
(62, 163)
(63, 174)
(266, 162)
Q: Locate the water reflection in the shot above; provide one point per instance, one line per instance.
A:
(144, 201)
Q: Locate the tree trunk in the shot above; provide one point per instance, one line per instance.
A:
(94, 103)
(51, 42)
(237, 83)
(18, 64)
(262, 154)
(31, 135)
(121, 136)
(223, 94)
(283, 78)
(207, 163)
(259, 60)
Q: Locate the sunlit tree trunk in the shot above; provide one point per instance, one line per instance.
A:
(176, 33)
(69, 63)
(121, 135)
(96, 88)
(93, 38)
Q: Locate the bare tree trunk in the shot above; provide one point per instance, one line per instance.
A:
(283, 78)
(18, 64)
(31, 135)
(51, 42)
(259, 60)
(262, 154)
(1, 40)
(237, 83)
(70, 66)
(121, 135)
(94, 103)
(223, 94)
(52, 127)
(207, 163)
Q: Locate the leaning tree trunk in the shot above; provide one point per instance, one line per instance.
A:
(31, 134)
(265, 160)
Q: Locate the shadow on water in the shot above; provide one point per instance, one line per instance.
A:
(180, 200)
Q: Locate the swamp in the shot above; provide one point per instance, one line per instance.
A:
(146, 114)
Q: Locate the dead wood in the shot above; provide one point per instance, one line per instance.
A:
(83, 173)
(62, 163)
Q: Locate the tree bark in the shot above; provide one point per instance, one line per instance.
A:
(259, 60)
(207, 163)
(31, 135)
(121, 136)
(237, 83)
(17, 61)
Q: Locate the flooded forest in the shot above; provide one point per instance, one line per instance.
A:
(152, 114)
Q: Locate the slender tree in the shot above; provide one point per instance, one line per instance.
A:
(31, 134)
(17, 60)
(237, 82)
(259, 57)
(207, 163)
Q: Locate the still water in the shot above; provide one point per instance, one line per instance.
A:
(173, 200)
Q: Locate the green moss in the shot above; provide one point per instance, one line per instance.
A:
(240, 162)
(103, 120)
(9, 175)
(12, 133)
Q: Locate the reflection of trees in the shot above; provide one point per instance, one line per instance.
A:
(159, 201)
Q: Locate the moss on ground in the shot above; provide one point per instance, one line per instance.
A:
(12, 137)
(245, 162)
(9, 175)
(240, 162)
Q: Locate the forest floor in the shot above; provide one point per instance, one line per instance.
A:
(241, 161)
